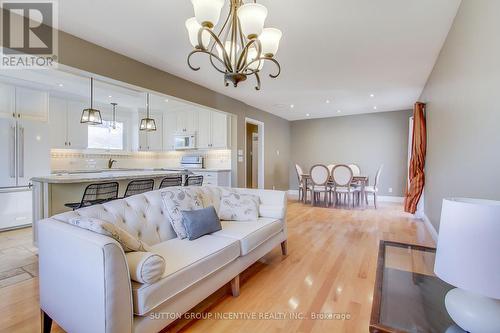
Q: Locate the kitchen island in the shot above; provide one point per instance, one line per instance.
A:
(50, 193)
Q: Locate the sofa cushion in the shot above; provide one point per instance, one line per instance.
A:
(250, 234)
(187, 263)
(235, 206)
(200, 222)
(145, 267)
(176, 200)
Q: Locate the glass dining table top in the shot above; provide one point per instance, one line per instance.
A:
(408, 296)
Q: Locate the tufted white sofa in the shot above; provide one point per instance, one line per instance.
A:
(85, 284)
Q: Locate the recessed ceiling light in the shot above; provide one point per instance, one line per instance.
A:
(292, 106)
(110, 96)
(166, 100)
(372, 95)
(61, 85)
(307, 114)
(327, 101)
(374, 108)
(338, 111)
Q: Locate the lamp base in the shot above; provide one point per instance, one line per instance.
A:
(472, 312)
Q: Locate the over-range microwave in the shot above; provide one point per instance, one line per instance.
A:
(184, 141)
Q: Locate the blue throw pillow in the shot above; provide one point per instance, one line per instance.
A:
(200, 222)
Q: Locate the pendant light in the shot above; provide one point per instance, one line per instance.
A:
(113, 122)
(91, 116)
(147, 124)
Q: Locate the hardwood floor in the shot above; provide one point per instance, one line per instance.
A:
(330, 268)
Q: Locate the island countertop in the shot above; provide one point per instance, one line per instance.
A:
(99, 176)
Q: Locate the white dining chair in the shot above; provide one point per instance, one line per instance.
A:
(330, 167)
(373, 189)
(342, 189)
(356, 171)
(302, 184)
(319, 178)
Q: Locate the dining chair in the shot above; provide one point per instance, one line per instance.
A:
(374, 189)
(96, 194)
(302, 185)
(330, 168)
(356, 171)
(342, 179)
(196, 180)
(319, 177)
(139, 186)
(173, 180)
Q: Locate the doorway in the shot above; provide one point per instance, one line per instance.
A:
(254, 153)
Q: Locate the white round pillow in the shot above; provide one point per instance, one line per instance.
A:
(145, 267)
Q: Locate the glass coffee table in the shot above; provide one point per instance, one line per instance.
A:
(408, 297)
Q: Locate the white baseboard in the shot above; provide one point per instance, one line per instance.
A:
(428, 225)
(294, 194)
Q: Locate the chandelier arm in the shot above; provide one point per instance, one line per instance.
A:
(277, 65)
(243, 56)
(220, 32)
(206, 52)
(257, 77)
(226, 62)
(263, 59)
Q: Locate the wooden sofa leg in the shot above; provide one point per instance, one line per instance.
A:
(235, 286)
(284, 247)
(45, 322)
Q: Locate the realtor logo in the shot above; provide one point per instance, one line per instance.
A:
(29, 34)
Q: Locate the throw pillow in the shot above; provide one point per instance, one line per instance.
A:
(236, 206)
(176, 200)
(145, 267)
(127, 241)
(210, 196)
(200, 222)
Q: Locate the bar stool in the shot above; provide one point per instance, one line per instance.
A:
(174, 180)
(194, 180)
(139, 186)
(96, 194)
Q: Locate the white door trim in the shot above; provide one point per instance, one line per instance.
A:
(260, 125)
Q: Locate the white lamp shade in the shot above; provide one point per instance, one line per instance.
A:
(251, 55)
(270, 41)
(207, 12)
(468, 249)
(193, 27)
(227, 46)
(252, 17)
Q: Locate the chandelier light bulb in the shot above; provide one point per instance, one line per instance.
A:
(270, 41)
(207, 12)
(252, 17)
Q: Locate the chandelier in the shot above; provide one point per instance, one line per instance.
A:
(241, 46)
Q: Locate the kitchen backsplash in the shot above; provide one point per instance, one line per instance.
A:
(65, 159)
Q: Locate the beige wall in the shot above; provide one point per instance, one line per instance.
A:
(77, 53)
(368, 140)
(463, 110)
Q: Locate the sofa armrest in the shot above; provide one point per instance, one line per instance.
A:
(84, 279)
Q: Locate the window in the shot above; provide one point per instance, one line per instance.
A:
(104, 137)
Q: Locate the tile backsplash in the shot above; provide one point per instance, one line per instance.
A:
(66, 159)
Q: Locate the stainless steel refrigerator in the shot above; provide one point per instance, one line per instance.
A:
(24, 151)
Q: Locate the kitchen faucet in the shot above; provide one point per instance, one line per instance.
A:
(110, 163)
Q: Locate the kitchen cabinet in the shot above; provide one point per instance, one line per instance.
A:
(23, 103)
(152, 141)
(66, 131)
(187, 121)
(218, 178)
(212, 130)
(169, 129)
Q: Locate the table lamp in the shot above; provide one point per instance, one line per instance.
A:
(468, 257)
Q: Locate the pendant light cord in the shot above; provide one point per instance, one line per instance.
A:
(91, 92)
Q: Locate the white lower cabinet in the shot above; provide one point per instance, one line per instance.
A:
(218, 178)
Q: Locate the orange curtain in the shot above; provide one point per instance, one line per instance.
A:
(417, 162)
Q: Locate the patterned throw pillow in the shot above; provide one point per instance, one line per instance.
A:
(176, 200)
(128, 242)
(236, 206)
(209, 195)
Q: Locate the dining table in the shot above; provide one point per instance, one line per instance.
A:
(360, 180)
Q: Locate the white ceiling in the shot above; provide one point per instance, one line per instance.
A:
(336, 50)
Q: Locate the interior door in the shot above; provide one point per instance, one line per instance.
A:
(7, 152)
(77, 132)
(33, 150)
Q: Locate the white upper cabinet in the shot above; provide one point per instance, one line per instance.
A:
(169, 129)
(219, 130)
(66, 131)
(152, 141)
(187, 121)
(32, 104)
(212, 130)
(7, 100)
